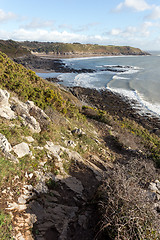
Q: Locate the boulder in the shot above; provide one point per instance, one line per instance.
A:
(4, 144)
(21, 149)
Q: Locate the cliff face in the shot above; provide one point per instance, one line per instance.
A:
(69, 170)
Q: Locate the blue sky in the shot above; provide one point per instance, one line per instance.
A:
(118, 22)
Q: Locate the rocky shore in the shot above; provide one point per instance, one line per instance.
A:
(116, 105)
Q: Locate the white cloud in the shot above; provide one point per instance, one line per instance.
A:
(138, 5)
(52, 36)
(132, 32)
(77, 29)
(5, 16)
(155, 14)
(37, 23)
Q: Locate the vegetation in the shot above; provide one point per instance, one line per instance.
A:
(78, 48)
(12, 48)
(5, 226)
(28, 86)
(16, 49)
(126, 214)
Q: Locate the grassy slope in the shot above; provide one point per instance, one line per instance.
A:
(12, 48)
(27, 85)
(79, 48)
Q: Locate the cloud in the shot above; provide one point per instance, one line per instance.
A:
(51, 36)
(155, 14)
(138, 5)
(37, 23)
(5, 16)
(132, 32)
(81, 28)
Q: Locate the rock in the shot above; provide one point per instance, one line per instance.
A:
(4, 97)
(15, 206)
(21, 149)
(21, 200)
(19, 107)
(31, 123)
(56, 150)
(4, 144)
(153, 187)
(158, 184)
(29, 139)
(70, 143)
(74, 184)
(5, 110)
(78, 131)
(41, 188)
(11, 157)
(38, 114)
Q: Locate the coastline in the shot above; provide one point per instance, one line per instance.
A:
(117, 105)
(107, 100)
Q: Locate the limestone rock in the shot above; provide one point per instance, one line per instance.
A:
(153, 187)
(56, 150)
(31, 122)
(4, 144)
(21, 149)
(5, 110)
(38, 114)
(29, 139)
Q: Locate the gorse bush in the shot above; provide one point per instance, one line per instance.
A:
(28, 86)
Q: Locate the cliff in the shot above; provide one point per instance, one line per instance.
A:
(71, 167)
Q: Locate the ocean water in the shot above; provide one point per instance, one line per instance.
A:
(134, 77)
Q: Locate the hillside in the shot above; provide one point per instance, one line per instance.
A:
(13, 49)
(74, 163)
(80, 49)
(16, 49)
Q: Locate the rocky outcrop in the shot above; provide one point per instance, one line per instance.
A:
(5, 109)
(4, 144)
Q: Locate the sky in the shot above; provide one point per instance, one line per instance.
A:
(107, 22)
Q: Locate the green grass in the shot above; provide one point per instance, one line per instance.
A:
(5, 226)
(150, 141)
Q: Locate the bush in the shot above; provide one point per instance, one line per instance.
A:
(127, 212)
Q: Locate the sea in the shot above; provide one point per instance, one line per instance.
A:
(134, 77)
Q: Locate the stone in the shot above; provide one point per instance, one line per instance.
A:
(153, 187)
(21, 149)
(15, 206)
(56, 150)
(158, 185)
(70, 143)
(5, 110)
(4, 97)
(38, 114)
(21, 200)
(41, 188)
(4, 144)
(29, 139)
(31, 122)
(78, 131)
(74, 184)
